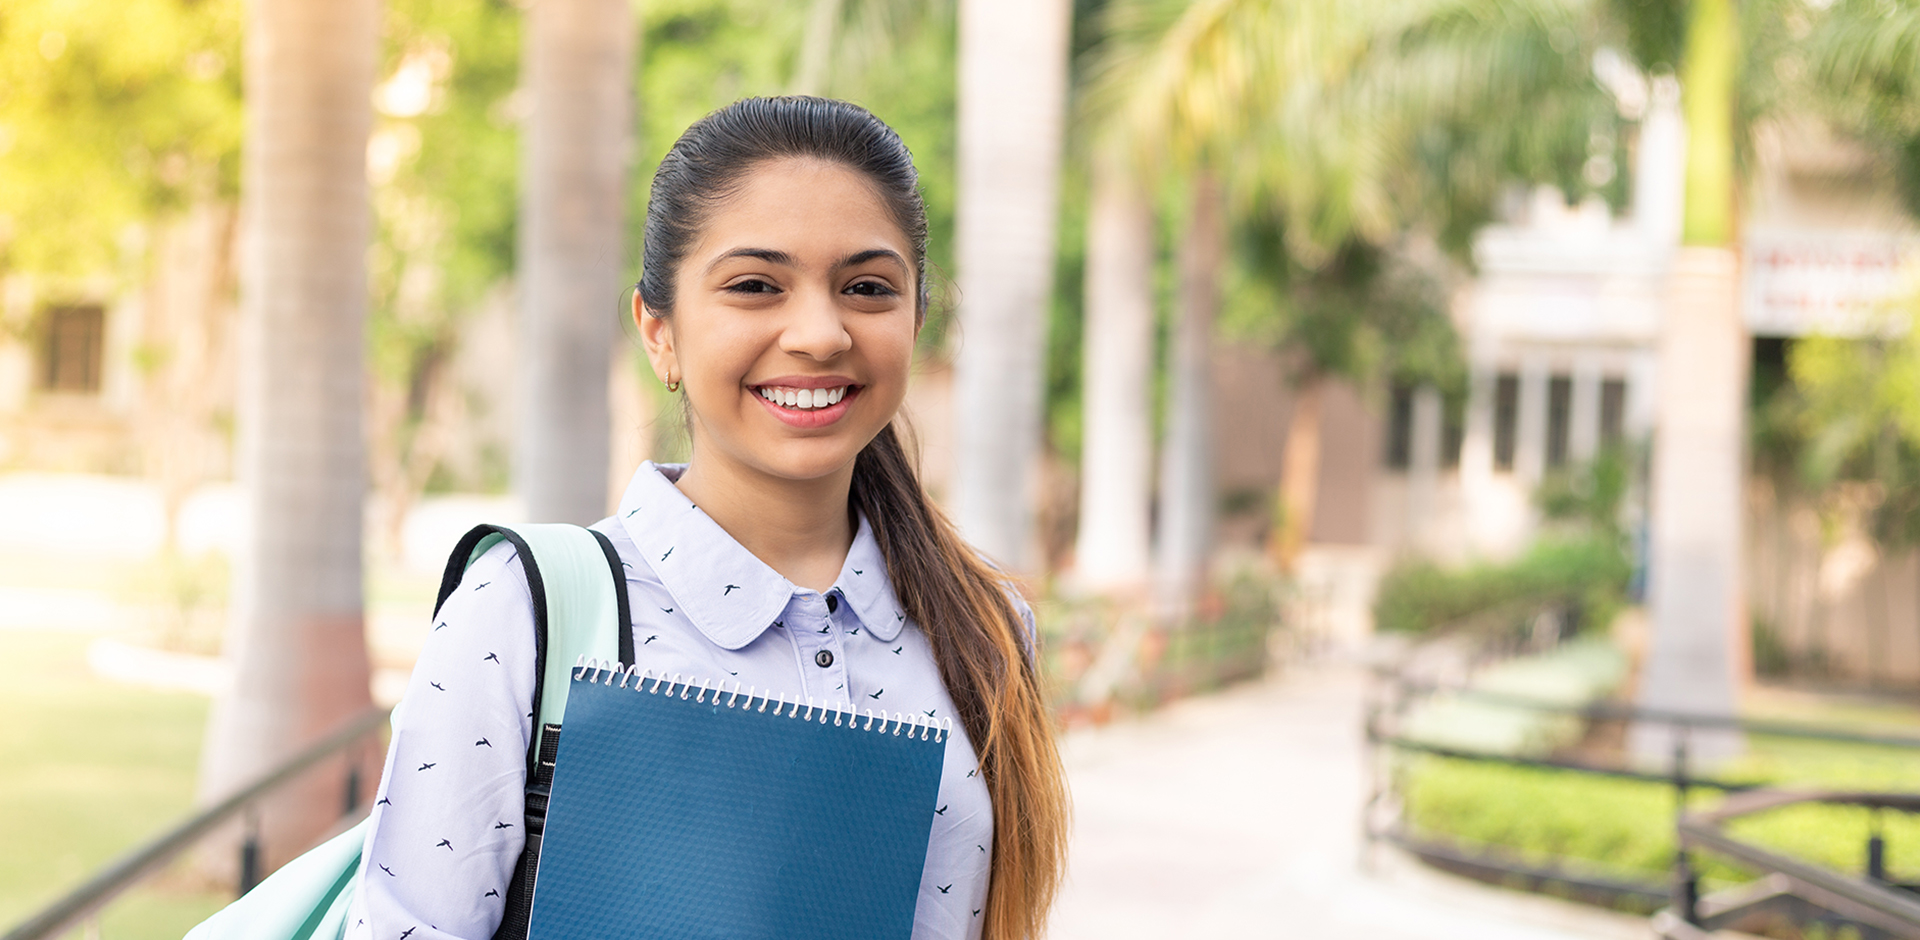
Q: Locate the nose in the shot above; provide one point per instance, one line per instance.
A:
(814, 328)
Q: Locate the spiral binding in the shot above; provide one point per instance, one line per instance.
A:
(606, 672)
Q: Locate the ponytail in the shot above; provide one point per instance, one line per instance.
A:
(964, 607)
(961, 603)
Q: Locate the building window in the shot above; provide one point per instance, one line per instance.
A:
(71, 349)
(1559, 419)
(1506, 419)
(1613, 411)
(1400, 427)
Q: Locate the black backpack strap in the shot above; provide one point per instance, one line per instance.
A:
(476, 543)
(544, 742)
(618, 570)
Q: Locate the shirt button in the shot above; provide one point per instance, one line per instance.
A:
(833, 602)
(824, 658)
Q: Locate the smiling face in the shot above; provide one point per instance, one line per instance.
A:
(793, 322)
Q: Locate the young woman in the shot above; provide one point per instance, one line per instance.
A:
(784, 283)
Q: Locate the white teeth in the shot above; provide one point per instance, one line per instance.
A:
(804, 398)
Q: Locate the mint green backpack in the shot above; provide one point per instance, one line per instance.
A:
(578, 610)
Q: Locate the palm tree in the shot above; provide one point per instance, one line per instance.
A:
(1113, 548)
(575, 151)
(1186, 456)
(298, 637)
(1012, 89)
(842, 41)
(1695, 591)
(1245, 93)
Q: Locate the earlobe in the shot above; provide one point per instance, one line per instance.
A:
(656, 333)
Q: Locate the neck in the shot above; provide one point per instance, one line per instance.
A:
(798, 527)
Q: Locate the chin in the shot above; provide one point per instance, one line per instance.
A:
(807, 461)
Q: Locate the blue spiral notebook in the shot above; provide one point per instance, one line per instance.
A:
(682, 811)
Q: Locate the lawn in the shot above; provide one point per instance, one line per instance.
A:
(1624, 828)
(93, 770)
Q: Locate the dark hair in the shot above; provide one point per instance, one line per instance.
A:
(963, 605)
(709, 161)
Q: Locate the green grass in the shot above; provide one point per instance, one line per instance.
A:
(93, 769)
(1624, 828)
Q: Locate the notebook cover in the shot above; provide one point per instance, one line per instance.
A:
(672, 818)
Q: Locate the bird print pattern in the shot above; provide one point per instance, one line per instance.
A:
(446, 834)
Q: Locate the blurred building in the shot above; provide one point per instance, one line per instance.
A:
(1561, 327)
(138, 374)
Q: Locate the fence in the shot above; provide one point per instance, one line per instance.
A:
(81, 907)
(1787, 892)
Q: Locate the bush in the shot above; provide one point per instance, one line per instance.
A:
(1624, 828)
(1588, 576)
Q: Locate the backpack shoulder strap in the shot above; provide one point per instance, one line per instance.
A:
(579, 593)
(579, 603)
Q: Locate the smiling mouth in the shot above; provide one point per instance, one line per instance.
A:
(805, 399)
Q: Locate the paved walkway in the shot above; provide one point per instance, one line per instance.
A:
(1237, 815)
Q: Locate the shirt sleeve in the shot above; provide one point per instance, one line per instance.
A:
(1030, 638)
(447, 825)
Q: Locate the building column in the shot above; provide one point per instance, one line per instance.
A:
(1530, 442)
(1643, 391)
(1583, 431)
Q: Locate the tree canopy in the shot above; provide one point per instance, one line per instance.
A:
(111, 113)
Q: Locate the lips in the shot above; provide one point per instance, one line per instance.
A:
(807, 402)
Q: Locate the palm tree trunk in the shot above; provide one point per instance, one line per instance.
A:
(1012, 90)
(1694, 585)
(298, 637)
(1299, 472)
(1186, 455)
(816, 47)
(575, 148)
(1113, 549)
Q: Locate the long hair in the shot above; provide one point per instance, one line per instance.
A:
(964, 606)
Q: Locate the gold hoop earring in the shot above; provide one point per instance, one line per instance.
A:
(672, 386)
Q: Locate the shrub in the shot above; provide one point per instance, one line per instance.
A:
(1587, 576)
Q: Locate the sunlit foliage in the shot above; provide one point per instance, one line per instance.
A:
(111, 112)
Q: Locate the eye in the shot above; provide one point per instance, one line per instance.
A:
(751, 286)
(871, 289)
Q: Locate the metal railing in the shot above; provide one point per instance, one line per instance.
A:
(82, 906)
(1789, 889)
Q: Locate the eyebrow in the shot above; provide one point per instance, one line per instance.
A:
(862, 257)
(768, 255)
(773, 256)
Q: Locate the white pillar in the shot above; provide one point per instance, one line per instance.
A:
(1476, 453)
(1530, 442)
(1583, 431)
(1643, 392)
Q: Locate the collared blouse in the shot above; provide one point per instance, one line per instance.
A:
(446, 830)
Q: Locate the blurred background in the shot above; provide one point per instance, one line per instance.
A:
(1465, 454)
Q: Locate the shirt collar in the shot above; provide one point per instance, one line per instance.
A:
(864, 583)
(728, 593)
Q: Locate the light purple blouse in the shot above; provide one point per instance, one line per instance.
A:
(447, 824)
